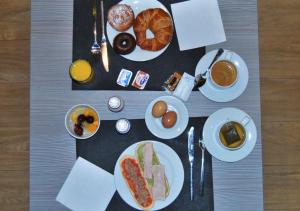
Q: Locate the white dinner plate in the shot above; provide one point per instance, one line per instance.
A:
(211, 135)
(138, 6)
(155, 125)
(228, 94)
(173, 169)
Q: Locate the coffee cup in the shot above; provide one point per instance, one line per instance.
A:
(232, 135)
(224, 73)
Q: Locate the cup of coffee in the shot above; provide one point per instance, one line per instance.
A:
(224, 73)
(232, 134)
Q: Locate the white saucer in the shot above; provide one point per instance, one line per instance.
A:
(211, 135)
(155, 125)
(138, 6)
(218, 94)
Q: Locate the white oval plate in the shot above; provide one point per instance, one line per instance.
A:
(155, 125)
(137, 6)
(173, 168)
(218, 94)
(211, 135)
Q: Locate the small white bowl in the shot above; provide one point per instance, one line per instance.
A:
(69, 124)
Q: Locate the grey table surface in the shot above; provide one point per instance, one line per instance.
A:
(237, 186)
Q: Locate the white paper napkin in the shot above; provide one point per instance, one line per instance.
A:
(198, 23)
(87, 187)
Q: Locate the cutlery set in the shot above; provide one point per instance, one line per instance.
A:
(191, 151)
(102, 48)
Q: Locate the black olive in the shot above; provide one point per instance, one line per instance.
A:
(81, 118)
(89, 119)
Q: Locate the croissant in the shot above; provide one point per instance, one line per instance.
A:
(159, 23)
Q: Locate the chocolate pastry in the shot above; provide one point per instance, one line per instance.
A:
(124, 43)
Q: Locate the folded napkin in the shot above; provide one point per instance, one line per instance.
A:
(198, 23)
(87, 187)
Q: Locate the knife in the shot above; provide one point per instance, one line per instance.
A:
(191, 158)
(104, 52)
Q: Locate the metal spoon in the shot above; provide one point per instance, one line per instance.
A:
(200, 79)
(95, 49)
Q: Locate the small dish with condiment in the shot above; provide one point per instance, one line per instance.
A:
(166, 117)
(82, 121)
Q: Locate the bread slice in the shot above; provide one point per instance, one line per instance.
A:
(155, 161)
(123, 171)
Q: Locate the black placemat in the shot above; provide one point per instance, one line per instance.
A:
(106, 146)
(159, 68)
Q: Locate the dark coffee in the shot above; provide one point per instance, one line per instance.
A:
(224, 73)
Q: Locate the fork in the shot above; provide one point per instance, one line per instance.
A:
(202, 147)
(95, 49)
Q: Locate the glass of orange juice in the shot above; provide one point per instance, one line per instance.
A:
(81, 71)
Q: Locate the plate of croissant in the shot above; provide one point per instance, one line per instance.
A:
(139, 30)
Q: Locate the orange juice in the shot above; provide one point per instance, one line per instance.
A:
(81, 71)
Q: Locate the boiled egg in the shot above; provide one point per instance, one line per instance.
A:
(159, 109)
(169, 119)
